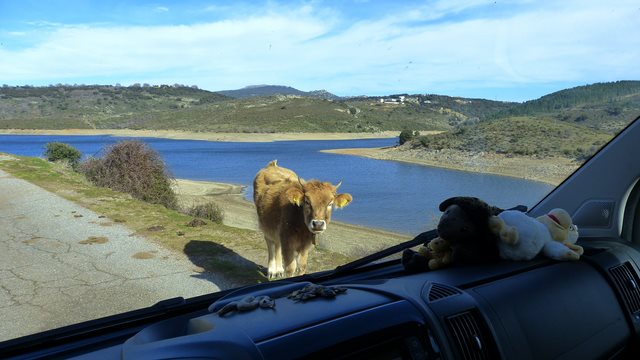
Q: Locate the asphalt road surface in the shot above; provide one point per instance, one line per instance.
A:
(62, 264)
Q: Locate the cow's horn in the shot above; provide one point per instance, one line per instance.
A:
(339, 183)
(300, 181)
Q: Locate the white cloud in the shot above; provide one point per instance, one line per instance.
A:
(305, 48)
(215, 8)
(161, 9)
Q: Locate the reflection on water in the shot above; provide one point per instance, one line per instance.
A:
(390, 195)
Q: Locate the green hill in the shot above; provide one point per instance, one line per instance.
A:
(571, 123)
(289, 114)
(186, 108)
(271, 90)
(601, 106)
(82, 107)
(521, 136)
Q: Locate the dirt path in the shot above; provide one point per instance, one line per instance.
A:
(62, 264)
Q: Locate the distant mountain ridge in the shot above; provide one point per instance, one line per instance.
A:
(271, 90)
(604, 107)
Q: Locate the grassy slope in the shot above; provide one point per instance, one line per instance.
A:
(106, 107)
(214, 247)
(571, 123)
(93, 106)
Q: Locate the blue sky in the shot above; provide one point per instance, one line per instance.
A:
(501, 50)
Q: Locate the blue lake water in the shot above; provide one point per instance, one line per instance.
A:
(388, 195)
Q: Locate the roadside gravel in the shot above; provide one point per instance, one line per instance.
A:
(62, 264)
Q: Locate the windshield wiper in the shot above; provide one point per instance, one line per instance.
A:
(418, 240)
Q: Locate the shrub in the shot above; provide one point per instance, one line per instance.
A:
(134, 168)
(405, 135)
(93, 169)
(210, 211)
(57, 151)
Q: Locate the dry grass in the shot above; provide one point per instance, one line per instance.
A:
(210, 211)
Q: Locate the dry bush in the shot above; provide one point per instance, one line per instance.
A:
(134, 168)
(210, 211)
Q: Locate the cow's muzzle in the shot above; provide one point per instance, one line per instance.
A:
(317, 226)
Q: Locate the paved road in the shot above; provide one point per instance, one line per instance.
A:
(61, 264)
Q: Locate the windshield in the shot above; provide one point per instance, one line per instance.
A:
(152, 150)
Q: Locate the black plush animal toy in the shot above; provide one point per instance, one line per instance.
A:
(464, 227)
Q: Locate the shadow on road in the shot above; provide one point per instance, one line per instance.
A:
(219, 260)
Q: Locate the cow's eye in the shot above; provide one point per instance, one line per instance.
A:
(330, 204)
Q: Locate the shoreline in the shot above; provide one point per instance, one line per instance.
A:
(206, 136)
(550, 171)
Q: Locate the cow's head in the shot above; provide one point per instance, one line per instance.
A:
(317, 199)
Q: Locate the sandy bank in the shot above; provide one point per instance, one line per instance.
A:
(207, 136)
(550, 170)
(348, 239)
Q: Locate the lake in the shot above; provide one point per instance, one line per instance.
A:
(389, 195)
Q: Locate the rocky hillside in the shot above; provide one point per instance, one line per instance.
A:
(187, 108)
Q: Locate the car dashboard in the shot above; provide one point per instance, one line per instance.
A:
(537, 309)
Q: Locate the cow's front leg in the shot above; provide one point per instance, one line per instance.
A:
(302, 261)
(279, 269)
(289, 258)
(271, 265)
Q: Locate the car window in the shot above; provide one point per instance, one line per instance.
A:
(154, 150)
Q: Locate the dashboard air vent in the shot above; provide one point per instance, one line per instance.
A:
(627, 280)
(440, 291)
(469, 336)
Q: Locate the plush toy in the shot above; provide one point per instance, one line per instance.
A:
(464, 227)
(437, 253)
(523, 237)
(562, 229)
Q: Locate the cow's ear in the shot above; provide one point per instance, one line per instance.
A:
(295, 196)
(342, 200)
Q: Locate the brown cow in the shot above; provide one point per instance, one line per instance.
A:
(291, 213)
